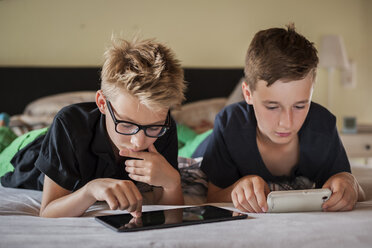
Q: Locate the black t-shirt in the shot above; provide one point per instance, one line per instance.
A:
(76, 150)
(232, 151)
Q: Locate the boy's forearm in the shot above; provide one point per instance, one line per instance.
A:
(218, 194)
(361, 194)
(171, 196)
(72, 205)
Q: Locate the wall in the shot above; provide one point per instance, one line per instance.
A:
(202, 33)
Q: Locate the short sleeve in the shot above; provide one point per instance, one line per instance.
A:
(337, 160)
(57, 156)
(322, 152)
(217, 163)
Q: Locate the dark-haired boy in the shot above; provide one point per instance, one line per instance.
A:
(277, 137)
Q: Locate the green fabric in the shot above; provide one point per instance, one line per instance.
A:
(8, 153)
(188, 140)
(6, 137)
(184, 134)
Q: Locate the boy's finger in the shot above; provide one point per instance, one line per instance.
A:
(333, 200)
(153, 149)
(252, 201)
(336, 207)
(131, 199)
(140, 171)
(122, 199)
(144, 179)
(127, 153)
(237, 205)
(261, 200)
(243, 201)
(138, 211)
(134, 163)
(139, 199)
(112, 202)
(132, 154)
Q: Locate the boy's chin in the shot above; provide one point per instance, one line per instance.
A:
(281, 140)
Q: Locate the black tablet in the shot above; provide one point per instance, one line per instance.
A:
(168, 218)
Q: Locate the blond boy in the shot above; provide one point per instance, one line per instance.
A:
(122, 149)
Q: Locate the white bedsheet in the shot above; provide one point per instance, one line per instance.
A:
(21, 227)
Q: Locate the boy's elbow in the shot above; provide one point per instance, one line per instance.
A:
(44, 214)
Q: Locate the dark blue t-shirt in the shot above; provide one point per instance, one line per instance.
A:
(76, 150)
(232, 151)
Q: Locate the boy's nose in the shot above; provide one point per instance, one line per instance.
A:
(138, 139)
(286, 119)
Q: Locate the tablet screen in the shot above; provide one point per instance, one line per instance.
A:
(168, 218)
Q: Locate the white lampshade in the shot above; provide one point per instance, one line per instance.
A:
(333, 55)
(332, 52)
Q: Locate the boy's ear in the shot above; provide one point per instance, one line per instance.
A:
(247, 93)
(101, 101)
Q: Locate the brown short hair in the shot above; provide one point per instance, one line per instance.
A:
(277, 53)
(146, 69)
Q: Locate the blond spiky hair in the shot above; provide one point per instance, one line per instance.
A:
(146, 69)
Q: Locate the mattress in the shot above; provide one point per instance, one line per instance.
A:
(20, 226)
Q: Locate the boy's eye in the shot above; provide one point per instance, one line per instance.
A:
(271, 107)
(300, 107)
(154, 128)
(125, 125)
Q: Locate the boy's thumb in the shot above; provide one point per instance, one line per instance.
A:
(152, 148)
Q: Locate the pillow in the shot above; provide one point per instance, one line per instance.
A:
(21, 124)
(237, 94)
(199, 115)
(50, 105)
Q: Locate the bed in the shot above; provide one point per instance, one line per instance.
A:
(20, 225)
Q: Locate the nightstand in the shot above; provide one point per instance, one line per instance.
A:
(357, 145)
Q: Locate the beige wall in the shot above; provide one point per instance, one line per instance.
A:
(202, 33)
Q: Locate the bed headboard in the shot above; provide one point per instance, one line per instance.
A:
(21, 85)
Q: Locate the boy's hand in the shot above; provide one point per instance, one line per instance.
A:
(152, 169)
(344, 189)
(249, 194)
(119, 194)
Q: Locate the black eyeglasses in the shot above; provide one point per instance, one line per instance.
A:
(130, 128)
